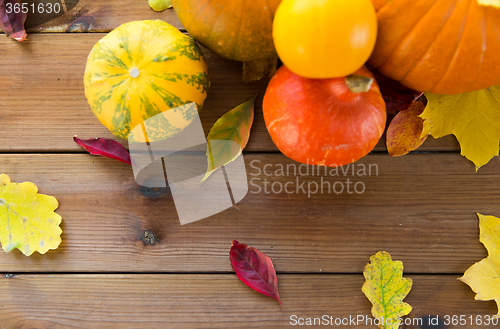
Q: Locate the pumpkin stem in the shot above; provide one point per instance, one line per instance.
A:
(358, 83)
(256, 70)
(134, 73)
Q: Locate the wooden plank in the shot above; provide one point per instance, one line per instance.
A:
(89, 15)
(420, 208)
(216, 301)
(43, 104)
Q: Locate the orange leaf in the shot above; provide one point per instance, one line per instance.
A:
(403, 134)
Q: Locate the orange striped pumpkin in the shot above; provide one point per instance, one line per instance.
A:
(444, 47)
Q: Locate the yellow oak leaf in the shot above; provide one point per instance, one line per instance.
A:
(386, 288)
(27, 219)
(474, 118)
(484, 276)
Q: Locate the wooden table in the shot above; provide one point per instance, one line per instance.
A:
(421, 208)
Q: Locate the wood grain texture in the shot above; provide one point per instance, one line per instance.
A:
(42, 97)
(420, 208)
(211, 301)
(42, 101)
(89, 15)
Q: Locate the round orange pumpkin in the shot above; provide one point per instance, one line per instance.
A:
(240, 30)
(324, 121)
(442, 46)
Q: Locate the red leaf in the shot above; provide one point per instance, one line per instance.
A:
(396, 96)
(12, 23)
(105, 147)
(255, 269)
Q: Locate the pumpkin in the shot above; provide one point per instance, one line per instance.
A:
(444, 47)
(142, 69)
(324, 39)
(330, 122)
(240, 30)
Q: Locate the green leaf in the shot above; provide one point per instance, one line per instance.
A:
(386, 288)
(233, 126)
(474, 118)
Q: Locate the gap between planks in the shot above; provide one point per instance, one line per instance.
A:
(420, 208)
(210, 301)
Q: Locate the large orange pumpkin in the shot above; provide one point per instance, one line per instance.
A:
(240, 30)
(442, 46)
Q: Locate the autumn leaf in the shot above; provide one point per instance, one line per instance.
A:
(474, 118)
(12, 19)
(233, 126)
(160, 5)
(255, 269)
(492, 3)
(27, 219)
(404, 132)
(107, 148)
(396, 96)
(386, 288)
(484, 276)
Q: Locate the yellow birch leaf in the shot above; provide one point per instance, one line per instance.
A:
(474, 118)
(386, 288)
(484, 276)
(27, 219)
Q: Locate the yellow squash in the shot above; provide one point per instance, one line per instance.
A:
(142, 69)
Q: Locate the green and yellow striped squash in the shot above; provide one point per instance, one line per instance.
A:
(141, 69)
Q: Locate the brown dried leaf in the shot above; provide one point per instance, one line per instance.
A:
(403, 134)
